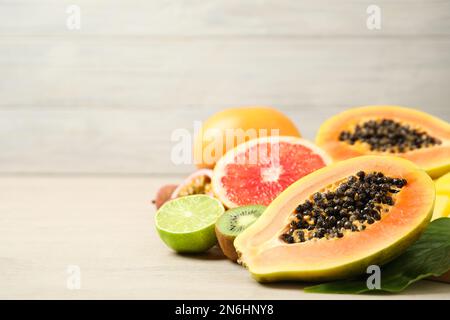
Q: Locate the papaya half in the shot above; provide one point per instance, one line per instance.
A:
(388, 130)
(335, 222)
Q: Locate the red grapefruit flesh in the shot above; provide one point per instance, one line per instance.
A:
(257, 171)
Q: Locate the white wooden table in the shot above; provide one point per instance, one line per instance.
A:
(86, 118)
(104, 225)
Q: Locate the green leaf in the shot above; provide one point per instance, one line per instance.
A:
(428, 256)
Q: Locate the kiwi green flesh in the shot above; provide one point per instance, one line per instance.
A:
(236, 220)
(233, 222)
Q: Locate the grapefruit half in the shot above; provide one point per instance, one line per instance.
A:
(257, 171)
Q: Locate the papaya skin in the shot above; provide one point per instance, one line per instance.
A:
(443, 185)
(434, 160)
(438, 171)
(345, 271)
(270, 259)
(442, 206)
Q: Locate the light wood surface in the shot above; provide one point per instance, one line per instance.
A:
(105, 226)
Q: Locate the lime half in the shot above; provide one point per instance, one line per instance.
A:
(186, 224)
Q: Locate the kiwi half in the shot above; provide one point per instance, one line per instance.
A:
(232, 223)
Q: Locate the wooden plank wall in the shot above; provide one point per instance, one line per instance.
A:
(106, 98)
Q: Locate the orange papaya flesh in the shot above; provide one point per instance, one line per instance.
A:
(262, 250)
(435, 159)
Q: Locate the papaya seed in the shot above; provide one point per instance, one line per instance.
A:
(350, 206)
(388, 135)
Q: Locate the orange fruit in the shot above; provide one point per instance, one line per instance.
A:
(230, 127)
